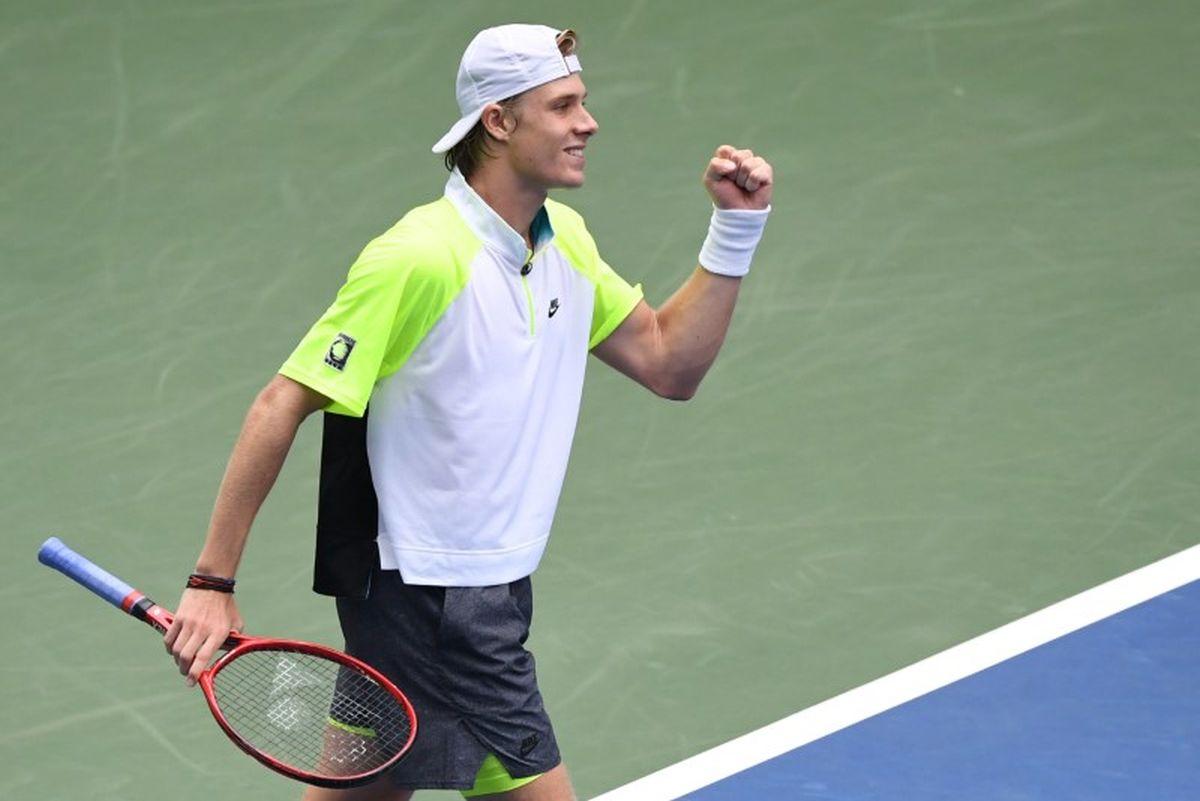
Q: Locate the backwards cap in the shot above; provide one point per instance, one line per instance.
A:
(502, 62)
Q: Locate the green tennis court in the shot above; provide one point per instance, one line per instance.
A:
(961, 384)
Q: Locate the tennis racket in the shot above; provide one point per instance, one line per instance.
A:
(303, 710)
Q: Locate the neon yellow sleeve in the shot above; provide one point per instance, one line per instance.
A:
(615, 298)
(400, 285)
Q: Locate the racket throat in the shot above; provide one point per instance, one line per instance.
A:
(151, 613)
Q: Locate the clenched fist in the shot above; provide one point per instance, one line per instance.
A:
(738, 179)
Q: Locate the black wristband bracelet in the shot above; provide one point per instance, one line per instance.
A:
(203, 581)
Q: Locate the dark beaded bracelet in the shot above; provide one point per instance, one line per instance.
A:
(203, 581)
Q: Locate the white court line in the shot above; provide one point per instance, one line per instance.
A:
(913, 681)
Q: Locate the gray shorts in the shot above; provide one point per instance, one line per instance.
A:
(459, 655)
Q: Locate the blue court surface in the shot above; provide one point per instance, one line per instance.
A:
(1110, 710)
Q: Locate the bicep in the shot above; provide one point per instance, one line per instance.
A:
(634, 347)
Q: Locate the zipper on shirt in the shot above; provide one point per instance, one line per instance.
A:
(525, 270)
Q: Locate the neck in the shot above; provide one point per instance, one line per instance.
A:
(513, 199)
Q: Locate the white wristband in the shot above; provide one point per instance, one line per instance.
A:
(733, 235)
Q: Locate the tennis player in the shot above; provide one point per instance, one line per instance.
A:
(465, 328)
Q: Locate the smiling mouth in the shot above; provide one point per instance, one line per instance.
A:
(577, 152)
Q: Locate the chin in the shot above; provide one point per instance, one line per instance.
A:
(564, 177)
(570, 178)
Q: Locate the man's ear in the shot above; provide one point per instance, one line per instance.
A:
(497, 121)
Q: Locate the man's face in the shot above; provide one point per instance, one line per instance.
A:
(546, 148)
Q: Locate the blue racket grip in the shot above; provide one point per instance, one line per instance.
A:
(54, 553)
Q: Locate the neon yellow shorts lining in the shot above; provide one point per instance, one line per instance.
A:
(493, 778)
(361, 731)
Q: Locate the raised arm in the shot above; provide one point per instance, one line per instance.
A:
(204, 618)
(668, 350)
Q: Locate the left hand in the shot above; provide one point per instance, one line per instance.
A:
(738, 179)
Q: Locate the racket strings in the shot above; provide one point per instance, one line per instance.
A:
(311, 713)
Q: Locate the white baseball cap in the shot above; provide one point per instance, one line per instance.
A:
(499, 63)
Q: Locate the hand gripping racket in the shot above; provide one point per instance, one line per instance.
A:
(304, 710)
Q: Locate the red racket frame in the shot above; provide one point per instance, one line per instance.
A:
(238, 644)
(56, 554)
(246, 645)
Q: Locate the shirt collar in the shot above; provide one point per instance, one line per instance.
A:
(490, 227)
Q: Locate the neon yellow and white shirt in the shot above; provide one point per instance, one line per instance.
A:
(471, 351)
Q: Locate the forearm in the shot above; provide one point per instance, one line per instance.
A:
(263, 444)
(692, 324)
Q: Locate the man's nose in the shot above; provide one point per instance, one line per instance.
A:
(588, 124)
